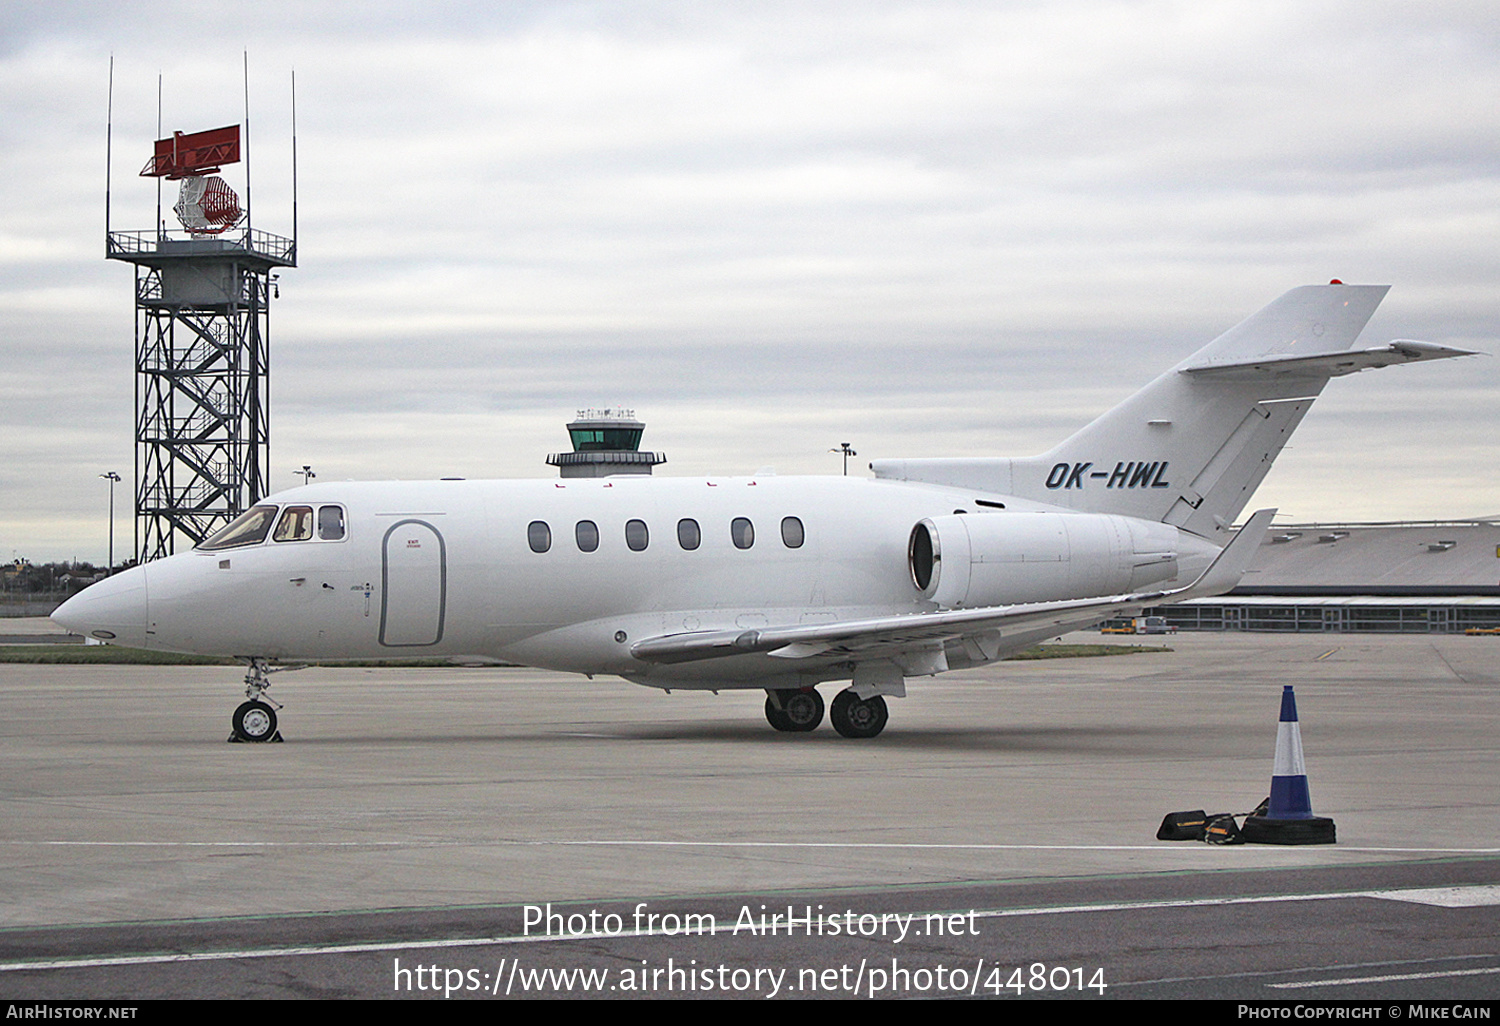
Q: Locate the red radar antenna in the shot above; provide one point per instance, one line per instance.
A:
(206, 205)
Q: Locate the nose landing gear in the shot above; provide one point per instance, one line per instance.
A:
(255, 720)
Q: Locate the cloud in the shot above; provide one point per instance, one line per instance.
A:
(938, 228)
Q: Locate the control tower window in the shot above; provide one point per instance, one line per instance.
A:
(606, 439)
(296, 524)
(249, 528)
(688, 535)
(587, 533)
(539, 536)
(791, 532)
(742, 532)
(636, 536)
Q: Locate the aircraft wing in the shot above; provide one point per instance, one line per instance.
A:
(915, 630)
(1326, 364)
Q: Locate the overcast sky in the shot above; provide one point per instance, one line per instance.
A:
(769, 227)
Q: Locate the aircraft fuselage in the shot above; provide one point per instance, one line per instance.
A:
(567, 575)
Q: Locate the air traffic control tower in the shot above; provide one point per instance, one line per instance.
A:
(202, 346)
(605, 443)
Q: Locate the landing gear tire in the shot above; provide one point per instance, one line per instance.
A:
(804, 709)
(254, 721)
(801, 710)
(853, 716)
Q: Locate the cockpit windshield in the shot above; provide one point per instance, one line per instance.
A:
(296, 524)
(248, 529)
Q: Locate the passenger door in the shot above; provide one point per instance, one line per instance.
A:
(414, 585)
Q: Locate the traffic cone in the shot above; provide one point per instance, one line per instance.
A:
(1288, 818)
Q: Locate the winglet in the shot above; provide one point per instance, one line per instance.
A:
(1226, 570)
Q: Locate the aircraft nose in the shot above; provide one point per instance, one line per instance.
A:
(113, 610)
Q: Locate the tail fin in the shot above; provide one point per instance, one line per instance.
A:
(1191, 447)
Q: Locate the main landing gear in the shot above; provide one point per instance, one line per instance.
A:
(798, 710)
(255, 720)
(853, 716)
(795, 710)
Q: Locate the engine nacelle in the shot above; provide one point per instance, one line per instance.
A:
(992, 559)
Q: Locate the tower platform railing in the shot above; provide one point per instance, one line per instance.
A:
(144, 246)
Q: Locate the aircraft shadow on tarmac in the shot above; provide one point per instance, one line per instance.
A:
(1116, 741)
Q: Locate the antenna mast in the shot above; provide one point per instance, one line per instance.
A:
(161, 226)
(248, 221)
(294, 159)
(109, 134)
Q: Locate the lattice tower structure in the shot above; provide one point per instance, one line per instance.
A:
(202, 379)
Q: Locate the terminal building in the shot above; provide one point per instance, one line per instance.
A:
(1422, 577)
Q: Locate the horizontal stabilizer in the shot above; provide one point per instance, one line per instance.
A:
(887, 635)
(1325, 365)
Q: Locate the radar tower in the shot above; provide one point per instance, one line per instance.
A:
(202, 345)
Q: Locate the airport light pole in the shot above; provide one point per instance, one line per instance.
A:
(847, 452)
(306, 472)
(112, 478)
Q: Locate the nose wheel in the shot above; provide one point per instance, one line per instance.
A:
(255, 720)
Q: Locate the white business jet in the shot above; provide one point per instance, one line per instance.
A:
(777, 583)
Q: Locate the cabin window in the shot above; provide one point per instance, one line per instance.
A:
(742, 532)
(539, 536)
(636, 536)
(249, 528)
(792, 534)
(296, 524)
(330, 523)
(587, 533)
(688, 535)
